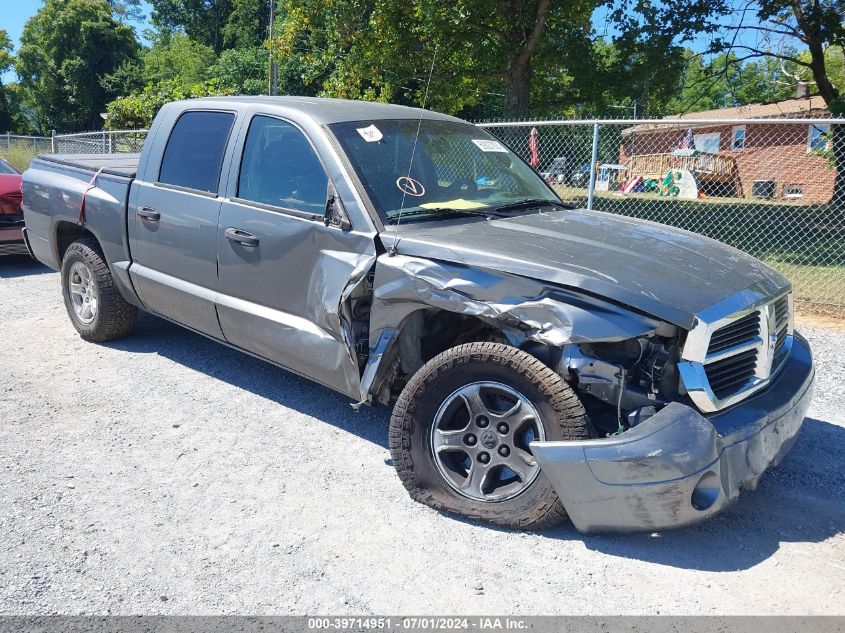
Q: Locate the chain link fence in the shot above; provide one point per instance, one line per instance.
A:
(8, 141)
(770, 187)
(20, 150)
(102, 142)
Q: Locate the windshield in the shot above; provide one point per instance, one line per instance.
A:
(456, 166)
(6, 168)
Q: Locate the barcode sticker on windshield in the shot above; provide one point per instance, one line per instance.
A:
(370, 134)
(486, 145)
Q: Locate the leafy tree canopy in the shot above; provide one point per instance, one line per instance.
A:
(202, 20)
(137, 111)
(65, 48)
(384, 49)
(177, 57)
(246, 26)
(723, 82)
(7, 59)
(242, 71)
(490, 60)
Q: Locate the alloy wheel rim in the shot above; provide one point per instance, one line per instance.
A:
(480, 441)
(83, 292)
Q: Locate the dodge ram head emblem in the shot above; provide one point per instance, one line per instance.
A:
(410, 186)
(488, 439)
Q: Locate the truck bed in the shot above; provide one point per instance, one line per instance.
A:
(125, 165)
(53, 189)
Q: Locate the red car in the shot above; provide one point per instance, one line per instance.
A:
(11, 214)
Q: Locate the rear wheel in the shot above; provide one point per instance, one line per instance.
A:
(93, 302)
(461, 430)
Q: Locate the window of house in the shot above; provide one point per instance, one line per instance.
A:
(194, 152)
(708, 143)
(793, 191)
(280, 168)
(738, 138)
(818, 138)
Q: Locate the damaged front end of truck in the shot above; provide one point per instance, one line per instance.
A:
(658, 460)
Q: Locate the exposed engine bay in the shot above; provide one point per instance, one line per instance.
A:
(623, 384)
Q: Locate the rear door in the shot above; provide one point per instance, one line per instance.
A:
(172, 222)
(282, 270)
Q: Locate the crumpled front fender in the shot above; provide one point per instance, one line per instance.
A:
(541, 312)
(521, 308)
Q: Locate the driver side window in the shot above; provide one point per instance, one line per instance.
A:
(280, 168)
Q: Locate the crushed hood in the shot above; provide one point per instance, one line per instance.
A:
(666, 272)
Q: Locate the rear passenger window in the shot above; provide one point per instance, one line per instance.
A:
(280, 168)
(194, 152)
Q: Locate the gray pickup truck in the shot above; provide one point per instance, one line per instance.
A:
(544, 361)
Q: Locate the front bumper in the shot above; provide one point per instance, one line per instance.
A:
(679, 467)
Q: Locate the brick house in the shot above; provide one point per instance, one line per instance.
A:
(782, 158)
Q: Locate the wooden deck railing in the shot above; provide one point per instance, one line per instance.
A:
(656, 165)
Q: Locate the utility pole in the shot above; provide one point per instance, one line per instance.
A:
(273, 79)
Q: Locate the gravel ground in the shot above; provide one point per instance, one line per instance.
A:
(168, 474)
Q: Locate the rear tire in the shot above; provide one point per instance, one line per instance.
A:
(460, 430)
(93, 302)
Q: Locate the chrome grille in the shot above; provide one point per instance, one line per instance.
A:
(739, 332)
(733, 351)
(782, 325)
(732, 373)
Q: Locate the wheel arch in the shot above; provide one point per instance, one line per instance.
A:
(66, 233)
(426, 332)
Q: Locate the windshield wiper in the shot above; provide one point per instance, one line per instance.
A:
(532, 202)
(441, 211)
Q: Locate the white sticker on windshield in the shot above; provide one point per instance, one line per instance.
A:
(486, 145)
(370, 134)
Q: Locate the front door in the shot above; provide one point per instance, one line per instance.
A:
(281, 270)
(172, 223)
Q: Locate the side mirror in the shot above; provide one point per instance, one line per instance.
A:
(335, 214)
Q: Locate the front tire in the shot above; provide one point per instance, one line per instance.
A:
(93, 302)
(461, 428)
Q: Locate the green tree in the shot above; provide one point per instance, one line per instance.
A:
(834, 63)
(202, 20)
(246, 26)
(138, 110)
(7, 60)
(125, 79)
(610, 78)
(127, 9)
(703, 85)
(177, 57)
(242, 70)
(762, 81)
(384, 49)
(66, 47)
(723, 82)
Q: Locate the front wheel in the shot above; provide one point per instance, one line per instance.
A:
(94, 304)
(461, 430)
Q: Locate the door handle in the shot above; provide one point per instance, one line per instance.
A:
(148, 213)
(241, 237)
